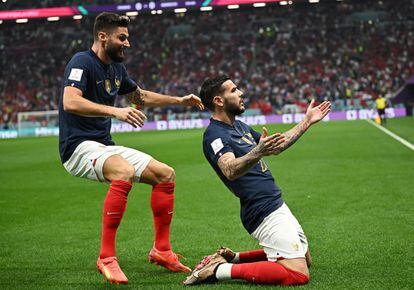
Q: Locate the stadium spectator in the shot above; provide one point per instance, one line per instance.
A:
(235, 152)
(349, 52)
(92, 80)
(17, 5)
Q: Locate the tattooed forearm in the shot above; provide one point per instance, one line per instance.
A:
(137, 97)
(294, 134)
(233, 167)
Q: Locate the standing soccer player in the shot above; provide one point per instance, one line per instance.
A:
(235, 152)
(91, 82)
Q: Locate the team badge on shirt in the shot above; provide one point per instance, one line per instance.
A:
(117, 83)
(295, 247)
(248, 138)
(108, 86)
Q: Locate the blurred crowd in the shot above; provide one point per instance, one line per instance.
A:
(280, 56)
(31, 4)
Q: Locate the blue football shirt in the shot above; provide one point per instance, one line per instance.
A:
(258, 193)
(99, 83)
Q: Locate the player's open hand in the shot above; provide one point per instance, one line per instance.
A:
(192, 100)
(130, 115)
(315, 114)
(270, 145)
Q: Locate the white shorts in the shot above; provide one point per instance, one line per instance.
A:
(89, 157)
(281, 235)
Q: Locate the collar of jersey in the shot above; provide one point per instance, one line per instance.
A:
(220, 123)
(100, 61)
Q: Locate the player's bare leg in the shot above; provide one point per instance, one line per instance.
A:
(251, 266)
(120, 173)
(308, 258)
(117, 168)
(161, 177)
(214, 268)
(250, 256)
(297, 264)
(157, 172)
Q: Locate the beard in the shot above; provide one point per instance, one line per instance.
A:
(114, 53)
(234, 109)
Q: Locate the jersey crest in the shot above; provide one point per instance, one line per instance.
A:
(117, 83)
(263, 166)
(248, 138)
(108, 86)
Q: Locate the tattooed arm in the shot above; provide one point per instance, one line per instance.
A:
(75, 103)
(294, 134)
(146, 98)
(313, 115)
(136, 98)
(233, 167)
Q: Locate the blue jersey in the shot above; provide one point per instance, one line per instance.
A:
(99, 83)
(258, 193)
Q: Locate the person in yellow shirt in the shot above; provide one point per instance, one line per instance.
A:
(381, 104)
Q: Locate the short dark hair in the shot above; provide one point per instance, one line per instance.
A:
(211, 88)
(107, 21)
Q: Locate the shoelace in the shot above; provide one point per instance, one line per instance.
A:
(175, 256)
(180, 255)
(204, 262)
(226, 253)
(113, 264)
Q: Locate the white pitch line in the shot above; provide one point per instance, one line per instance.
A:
(389, 133)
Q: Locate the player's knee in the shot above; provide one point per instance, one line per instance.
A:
(293, 277)
(166, 174)
(304, 279)
(297, 277)
(303, 269)
(130, 172)
(117, 168)
(125, 172)
(298, 268)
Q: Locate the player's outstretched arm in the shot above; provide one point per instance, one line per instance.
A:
(146, 98)
(312, 116)
(75, 103)
(233, 167)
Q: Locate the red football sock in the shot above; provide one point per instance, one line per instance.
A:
(162, 204)
(267, 273)
(252, 256)
(113, 210)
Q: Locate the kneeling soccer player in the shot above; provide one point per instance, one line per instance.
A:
(235, 152)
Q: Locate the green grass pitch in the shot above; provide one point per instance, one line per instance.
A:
(350, 185)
